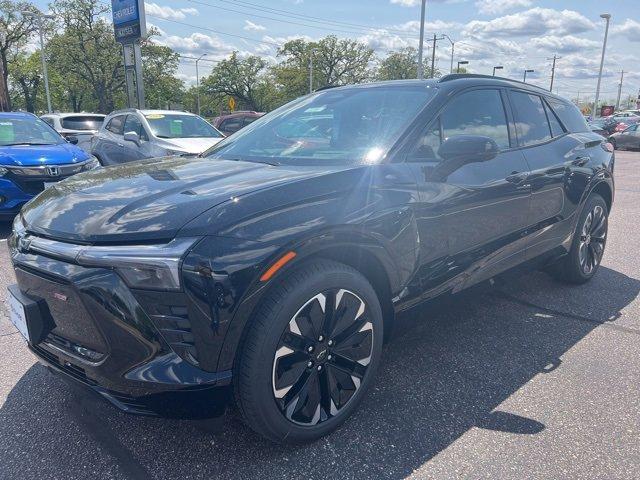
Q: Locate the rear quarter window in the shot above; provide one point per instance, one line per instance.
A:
(569, 115)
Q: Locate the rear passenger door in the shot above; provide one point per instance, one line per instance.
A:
(131, 150)
(559, 163)
(483, 206)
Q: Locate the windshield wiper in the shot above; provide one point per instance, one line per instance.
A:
(24, 143)
(273, 164)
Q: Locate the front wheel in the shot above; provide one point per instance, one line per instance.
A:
(310, 354)
(589, 241)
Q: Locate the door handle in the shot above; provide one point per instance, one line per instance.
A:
(581, 161)
(517, 178)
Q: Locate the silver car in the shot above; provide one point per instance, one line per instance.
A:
(629, 138)
(132, 134)
(82, 126)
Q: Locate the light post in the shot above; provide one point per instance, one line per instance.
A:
(198, 83)
(607, 18)
(452, 47)
(421, 44)
(499, 67)
(313, 50)
(524, 79)
(463, 62)
(39, 16)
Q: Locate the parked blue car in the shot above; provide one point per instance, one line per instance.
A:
(33, 156)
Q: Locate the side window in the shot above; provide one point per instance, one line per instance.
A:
(556, 126)
(569, 115)
(231, 125)
(248, 120)
(426, 150)
(531, 121)
(115, 125)
(133, 124)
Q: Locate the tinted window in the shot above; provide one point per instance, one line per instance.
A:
(556, 127)
(49, 121)
(133, 124)
(569, 115)
(344, 126)
(231, 125)
(531, 121)
(174, 125)
(115, 125)
(479, 112)
(248, 120)
(82, 122)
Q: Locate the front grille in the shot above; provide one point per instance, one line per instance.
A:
(32, 179)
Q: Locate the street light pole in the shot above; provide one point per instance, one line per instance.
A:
(525, 74)
(619, 90)
(462, 62)
(313, 50)
(499, 67)
(607, 18)
(39, 16)
(198, 83)
(421, 44)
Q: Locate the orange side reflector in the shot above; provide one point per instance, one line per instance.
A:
(277, 266)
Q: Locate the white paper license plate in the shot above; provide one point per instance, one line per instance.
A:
(17, 315)
(48, 184)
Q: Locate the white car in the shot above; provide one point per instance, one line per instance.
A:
(82, 126)
(132, 134)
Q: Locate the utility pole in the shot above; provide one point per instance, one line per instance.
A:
(529, 70)
(619, 90)
(553, 71)
(607, 18)
(421, 44)
(313, 50)
(4, 101)
(39, 16)
(433, 55)
(198, 83)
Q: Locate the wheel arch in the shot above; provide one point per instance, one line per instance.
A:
(605, 190)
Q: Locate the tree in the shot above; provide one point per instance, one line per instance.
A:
(246, 80)
(159, 68)
(335, 62)
(87, 49)
(15, 31)
(26, 78)
(399, 65)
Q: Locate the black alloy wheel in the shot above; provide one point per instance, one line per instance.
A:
(322, 357)
(592, 239)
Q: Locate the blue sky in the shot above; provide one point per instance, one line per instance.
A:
(516, 34)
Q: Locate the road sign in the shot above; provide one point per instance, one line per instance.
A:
(232, 103)
(129, 23)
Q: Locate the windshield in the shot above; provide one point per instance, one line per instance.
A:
(82, 122)
(27, 131)
(180, 126)
(334, 126)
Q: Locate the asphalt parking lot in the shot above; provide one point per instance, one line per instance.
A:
(529, 379)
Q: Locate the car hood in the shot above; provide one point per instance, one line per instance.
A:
(34, 155)
(148, 200)
(191, 145)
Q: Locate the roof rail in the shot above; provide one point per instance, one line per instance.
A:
(456, 76)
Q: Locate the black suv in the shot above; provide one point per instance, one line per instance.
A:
(269, 269)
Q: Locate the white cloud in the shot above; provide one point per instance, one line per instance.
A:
(168, 13)
(630, 28)
(253, 27)
(198, 43)
(535, 21)
(564, 44)
(492, 7)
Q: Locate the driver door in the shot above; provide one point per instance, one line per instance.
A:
(483, 206)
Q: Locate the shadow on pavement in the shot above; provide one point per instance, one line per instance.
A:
(5, 229)
(447, 369)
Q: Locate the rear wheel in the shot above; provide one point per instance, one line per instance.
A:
(589, 241)
(310, 354)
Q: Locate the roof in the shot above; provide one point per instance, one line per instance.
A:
(152, 112)
(72, 114)
(16, 114)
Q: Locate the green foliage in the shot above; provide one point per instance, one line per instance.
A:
(26, 79)
(159, 68)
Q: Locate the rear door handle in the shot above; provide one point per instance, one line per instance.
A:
(517, 178)
(580, 161)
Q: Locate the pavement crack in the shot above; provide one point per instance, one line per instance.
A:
(572, 316)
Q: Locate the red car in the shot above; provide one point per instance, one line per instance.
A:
(233, 122)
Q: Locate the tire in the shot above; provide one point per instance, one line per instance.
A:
(587, 248)
(278, 379)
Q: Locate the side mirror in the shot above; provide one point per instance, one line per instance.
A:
(132, 137)
(72, 139)
(465, 149)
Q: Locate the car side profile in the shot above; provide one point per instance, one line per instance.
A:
(131, 134)
(629, 138)
(269, 270)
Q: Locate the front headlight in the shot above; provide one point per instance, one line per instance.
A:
(92, 163)
(147, 267)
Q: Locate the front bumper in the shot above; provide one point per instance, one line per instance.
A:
(114, 341)
(12, 198)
